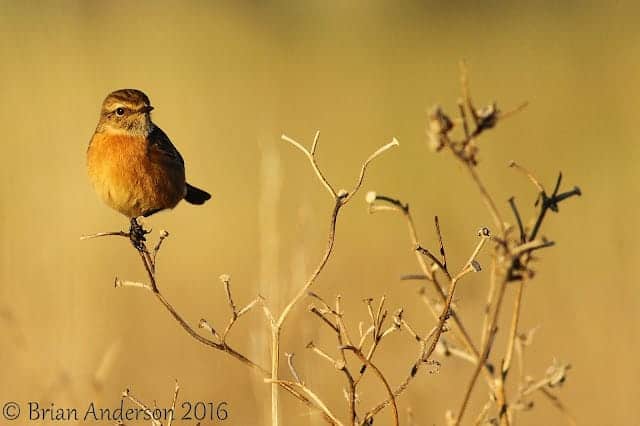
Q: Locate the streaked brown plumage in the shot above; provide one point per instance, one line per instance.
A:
(131, 162)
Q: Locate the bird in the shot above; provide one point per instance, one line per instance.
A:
(132, 164)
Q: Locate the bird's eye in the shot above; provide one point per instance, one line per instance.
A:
(120, 112)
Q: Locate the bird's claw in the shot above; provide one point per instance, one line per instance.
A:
(137, 235)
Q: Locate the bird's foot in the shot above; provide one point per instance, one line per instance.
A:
(137, 235)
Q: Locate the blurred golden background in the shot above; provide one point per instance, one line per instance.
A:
(226, 80)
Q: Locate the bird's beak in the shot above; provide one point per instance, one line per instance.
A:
(147, 108)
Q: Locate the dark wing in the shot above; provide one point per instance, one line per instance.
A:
(160, 143)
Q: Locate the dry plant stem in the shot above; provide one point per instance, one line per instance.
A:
(542, 386)
(105, 234)
(378, 373)
(528, 174)
(470, 162)
(292, 368)
(344, 339)
(127, 394)
(501, 398)
(340, 200)
(506, 363)
(235, 313)
(322, 354)
(403, 386)
(445, 349)
(376, 331)
(326, 320)
(223, 347)
(315, 400)
(513, 331)
(520, 343)
(312, 159)
(560, 406)
(377, 319)
(394, 142)
(491, 205)
(516, 213)
(476, 373)
(149, 266)
(163, 236)
(447, 307)
(511, 256)
(486, 350)
(441, 322)
(501, 402)
(516, 256)
(463, 335)
(158, 294)
(487, 310)
(437, 332)
(276, 326)
(442, 252)
(175, 393)
(482, 416)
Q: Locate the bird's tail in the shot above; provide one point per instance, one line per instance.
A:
(196, 195)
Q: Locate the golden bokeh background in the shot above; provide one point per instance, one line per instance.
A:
(227, 78)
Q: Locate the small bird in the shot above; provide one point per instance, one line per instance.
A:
(132, 164)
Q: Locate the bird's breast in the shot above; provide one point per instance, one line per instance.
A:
(130, 180)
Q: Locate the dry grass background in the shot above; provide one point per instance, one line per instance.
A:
(227, 79)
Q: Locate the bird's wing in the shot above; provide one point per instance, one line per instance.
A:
(160, 143)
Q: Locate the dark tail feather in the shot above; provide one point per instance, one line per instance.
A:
(196, 196)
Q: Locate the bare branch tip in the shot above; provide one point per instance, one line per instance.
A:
(370, 197)
(484, 232)
(314, 145)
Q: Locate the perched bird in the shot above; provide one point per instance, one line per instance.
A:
(131, 162)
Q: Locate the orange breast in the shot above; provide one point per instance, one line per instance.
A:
(129, 178)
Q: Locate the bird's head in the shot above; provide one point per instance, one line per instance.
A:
(126, 111)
